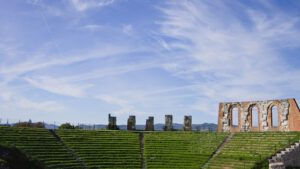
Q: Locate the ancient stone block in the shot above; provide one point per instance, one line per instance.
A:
(149, 124)
(287, 158)
(131, 123)
(112, 123)
(187, 124)
(168, 123)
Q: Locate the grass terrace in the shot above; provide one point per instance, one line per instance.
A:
(182, 150)
(40, 145)
(104, 149)
(251, 150)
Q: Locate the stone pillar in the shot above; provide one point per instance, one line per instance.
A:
(168, 123)
(131, 123)
(150, 124)
(187, 124)
(112, 122)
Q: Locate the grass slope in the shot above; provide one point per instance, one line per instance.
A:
(251, 150)
(104, 149)
(40, 145)
(182, 150)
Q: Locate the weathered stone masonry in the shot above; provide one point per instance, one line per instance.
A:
(131, 123)
(112, 122)
(168, 123)
(187, 123)
(149, 124)
(288, 116)
(290, 157)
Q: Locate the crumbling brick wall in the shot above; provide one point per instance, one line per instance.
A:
(287, 109)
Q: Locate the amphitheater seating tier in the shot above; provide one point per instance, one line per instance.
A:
(182, 150)
(251, 150)
(77, 149)
(40, 145)
(104, 149)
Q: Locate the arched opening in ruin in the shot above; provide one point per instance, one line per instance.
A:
(274, 116)
(235, 117)
(254, 116)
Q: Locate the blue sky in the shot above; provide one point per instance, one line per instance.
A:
(76, 61)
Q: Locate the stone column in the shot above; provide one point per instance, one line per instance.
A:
(149, 124)
(131, 123)
(187, 124)
(112, 122)
(168, 123)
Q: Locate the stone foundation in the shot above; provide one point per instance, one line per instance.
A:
(290, 157)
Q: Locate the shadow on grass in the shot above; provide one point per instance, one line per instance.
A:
(12, 158)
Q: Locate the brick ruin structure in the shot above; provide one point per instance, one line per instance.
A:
(168, 123)
(187, 124)
(268, 115)
(131, 123)
(149, 124)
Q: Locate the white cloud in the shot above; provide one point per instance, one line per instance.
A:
(112, 71)
(46, 106)
(38, 62)
(127, 29)
(82, 5)
(93, 27)
(242, 59)
(123, 106)
(57, 86)
(112, 100)
(10, 99)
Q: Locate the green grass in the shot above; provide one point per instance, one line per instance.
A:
(162, 150)
(182, 150)
(40, 145)
(104, 149)
(251, 150)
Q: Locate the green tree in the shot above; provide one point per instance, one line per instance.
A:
(66, 126)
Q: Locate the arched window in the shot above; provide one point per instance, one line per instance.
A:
(274, 114)
(235, 117)
(254, 114)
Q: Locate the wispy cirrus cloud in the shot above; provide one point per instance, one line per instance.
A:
(182, 57)
(82, 5)
(11, 99)
(236, 51)
(40, 106)
(225, 47)
(93, 27)
(38, 62)
(58, 86)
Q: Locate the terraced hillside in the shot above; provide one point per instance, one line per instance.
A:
(40, 145)
(104, 149)
(182, 150)
(162, 150)
(251, 150)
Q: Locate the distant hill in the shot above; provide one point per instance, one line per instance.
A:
(157, 127)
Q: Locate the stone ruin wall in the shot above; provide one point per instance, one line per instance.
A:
(149, 124)
(187, 124)
(288, 116)
(131, 123)
(168, 123)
